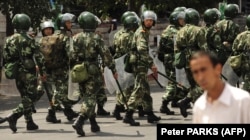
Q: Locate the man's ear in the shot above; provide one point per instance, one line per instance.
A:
(218, 69)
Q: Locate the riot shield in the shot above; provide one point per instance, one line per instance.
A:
(181, 77)
(228, 72)
(125, 79)
(109, 80)
(73, 90)
(160, 67)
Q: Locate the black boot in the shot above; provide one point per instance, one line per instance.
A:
(94, 126)
(12, 119)
(174, 103)
(31, 125)
(152, 118)
(51, 117)
(164, 108)
(183, 104)
(77, 125)
(70, 114)
(117, 112)
(129, 118)
(2, 120)
(101, 111)
(33, 109)
(141, 112)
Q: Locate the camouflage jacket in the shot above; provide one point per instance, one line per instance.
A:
(167, 40)
(212, 34)
(24, 49)
(241, 43)
(123, 43)
(228, 31)
(87, 46)
(140, 43)
(190, 38)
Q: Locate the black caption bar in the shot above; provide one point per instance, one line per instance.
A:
(218, 131)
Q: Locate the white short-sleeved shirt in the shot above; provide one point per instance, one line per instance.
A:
(233, 106)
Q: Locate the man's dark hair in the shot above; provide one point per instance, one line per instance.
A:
(210, 54)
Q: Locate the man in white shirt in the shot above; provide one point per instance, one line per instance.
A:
(220, 102)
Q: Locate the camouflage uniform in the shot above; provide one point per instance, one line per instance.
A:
(195, 40)
(190, 39)
(241, 46)
(166, 51)
(22, 47)
(47, 85)
(228, 32)
(122, 47)
(87, 46)
(60, 75)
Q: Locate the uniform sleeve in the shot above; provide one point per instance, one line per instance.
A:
(75, 52)
(142, 48)
(38, 56)
(237, 46)
(10, 52)
(106, 56)
(201, 40)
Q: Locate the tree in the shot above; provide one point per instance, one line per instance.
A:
(35, 9)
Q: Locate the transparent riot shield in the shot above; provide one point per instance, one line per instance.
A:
(73, 90)
(229, 74)
(160, 67)
(181, 77)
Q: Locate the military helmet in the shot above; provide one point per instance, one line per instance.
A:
(131, 22)
(127, 13)
(180, 9)
(175, 16)
(21, 22)
(88, 21)
(211, 16)
(47, 24)
(248, 22)
(62, 18)
(231, 10)
(192, 16)
(148, 14)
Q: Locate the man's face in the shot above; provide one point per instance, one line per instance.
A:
(68, 25)
(181, 21)
(148, 23)
(205, 74)
(47, 31)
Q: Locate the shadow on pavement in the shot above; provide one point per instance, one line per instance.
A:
(108, 134)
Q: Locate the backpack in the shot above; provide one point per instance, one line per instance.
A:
(49, 46)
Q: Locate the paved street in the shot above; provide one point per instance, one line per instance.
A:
(111, 129)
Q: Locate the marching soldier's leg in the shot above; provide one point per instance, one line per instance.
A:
(171, 89)
(93, 124)
(101, 100)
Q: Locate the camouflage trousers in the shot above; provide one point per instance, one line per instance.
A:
(173, 92)
(26, 83)
(195, 91)
(60, 93)
(89, 91)
(141, 92)
(101, 95)
(120, 100)
(46, 86)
